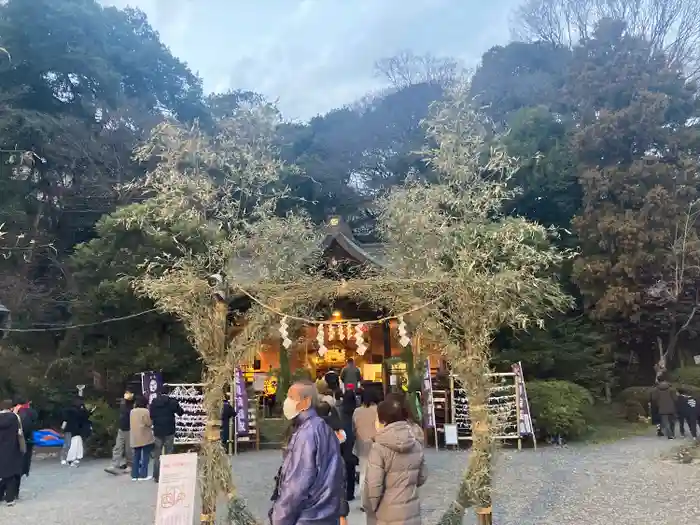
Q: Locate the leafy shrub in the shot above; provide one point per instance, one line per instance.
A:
(692, 390)
(105, 423)
(637, 394)
(634, 411)
(689, 376)
(560, 408)
(642, 394)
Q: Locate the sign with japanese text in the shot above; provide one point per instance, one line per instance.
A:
(177, 489)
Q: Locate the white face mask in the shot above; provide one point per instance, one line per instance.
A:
(289, 408)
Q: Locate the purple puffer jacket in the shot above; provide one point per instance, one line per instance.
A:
(311, 478)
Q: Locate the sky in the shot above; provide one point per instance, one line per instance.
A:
(315, 55)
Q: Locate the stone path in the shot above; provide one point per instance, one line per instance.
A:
(625, 483)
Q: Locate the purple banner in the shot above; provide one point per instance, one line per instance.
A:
(151, 383)
(241, 400)
(429, 410)
(525, 423)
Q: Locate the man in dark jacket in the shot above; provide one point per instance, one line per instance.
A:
(28, 417)
(664, 396)
(310, 481)
(121, 453)
(351, 374)
(11, 457)
(163, 411)
(688, 412)
(228, 414)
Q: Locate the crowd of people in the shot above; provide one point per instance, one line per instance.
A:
(671, 406)
(329, 438)
(145, 432)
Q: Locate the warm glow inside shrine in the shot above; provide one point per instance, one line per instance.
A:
(380, 341)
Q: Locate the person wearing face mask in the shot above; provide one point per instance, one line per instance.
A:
(121, 453)
(310, 481)
(395, 469)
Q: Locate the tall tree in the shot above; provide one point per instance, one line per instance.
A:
(636, 147)
(83, 86)
(352, 154)
(517, 76)
(671, 27)
(407, 69)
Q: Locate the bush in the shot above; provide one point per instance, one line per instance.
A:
(689, 376)
(637, 394)
(560, 408)
(642, 394)
(105, 423)
(634, 411)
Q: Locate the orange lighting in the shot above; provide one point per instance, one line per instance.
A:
(337, 314)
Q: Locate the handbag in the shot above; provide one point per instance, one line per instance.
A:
(20, 435)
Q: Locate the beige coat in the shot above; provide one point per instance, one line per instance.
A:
(141, 428)
(364, 421)
(395, 470)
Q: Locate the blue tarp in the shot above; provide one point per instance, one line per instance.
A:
(47, 438)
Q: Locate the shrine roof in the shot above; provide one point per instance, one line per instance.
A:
(338, 234)
(338, 231)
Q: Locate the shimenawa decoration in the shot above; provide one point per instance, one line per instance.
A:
(457, 268)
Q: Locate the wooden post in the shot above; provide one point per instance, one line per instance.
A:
(484, 516)
(453, 417)
(517, 413)
(386, 332)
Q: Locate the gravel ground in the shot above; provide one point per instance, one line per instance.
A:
(626, 483)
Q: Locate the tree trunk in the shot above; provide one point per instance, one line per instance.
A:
(214, 467)
(475, 487)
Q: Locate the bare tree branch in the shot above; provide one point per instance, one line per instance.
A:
(671, 26)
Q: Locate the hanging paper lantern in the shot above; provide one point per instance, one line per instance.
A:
(359, 339)
(404, 339)
(321, 340)
(286, 341)
(341, 332)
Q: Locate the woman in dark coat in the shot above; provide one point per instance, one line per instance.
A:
(11, 453)
(347, 409)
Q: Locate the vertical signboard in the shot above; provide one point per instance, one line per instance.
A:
(429, 411)
(241, 400)
(176, 489)
(525, 423)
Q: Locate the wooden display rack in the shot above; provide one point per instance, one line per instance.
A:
(509, 437)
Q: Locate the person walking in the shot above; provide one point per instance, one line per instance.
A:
(12, 450)
(347, 409)
(228, 414)
(350, 374)
(309, 483)
(163, 411)
(688, 413)
(76, 427)
(364, 421)
(655, 417)
(28, 418)
(141, 439)
(121, 453)
(664, 395)
(395, 470)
